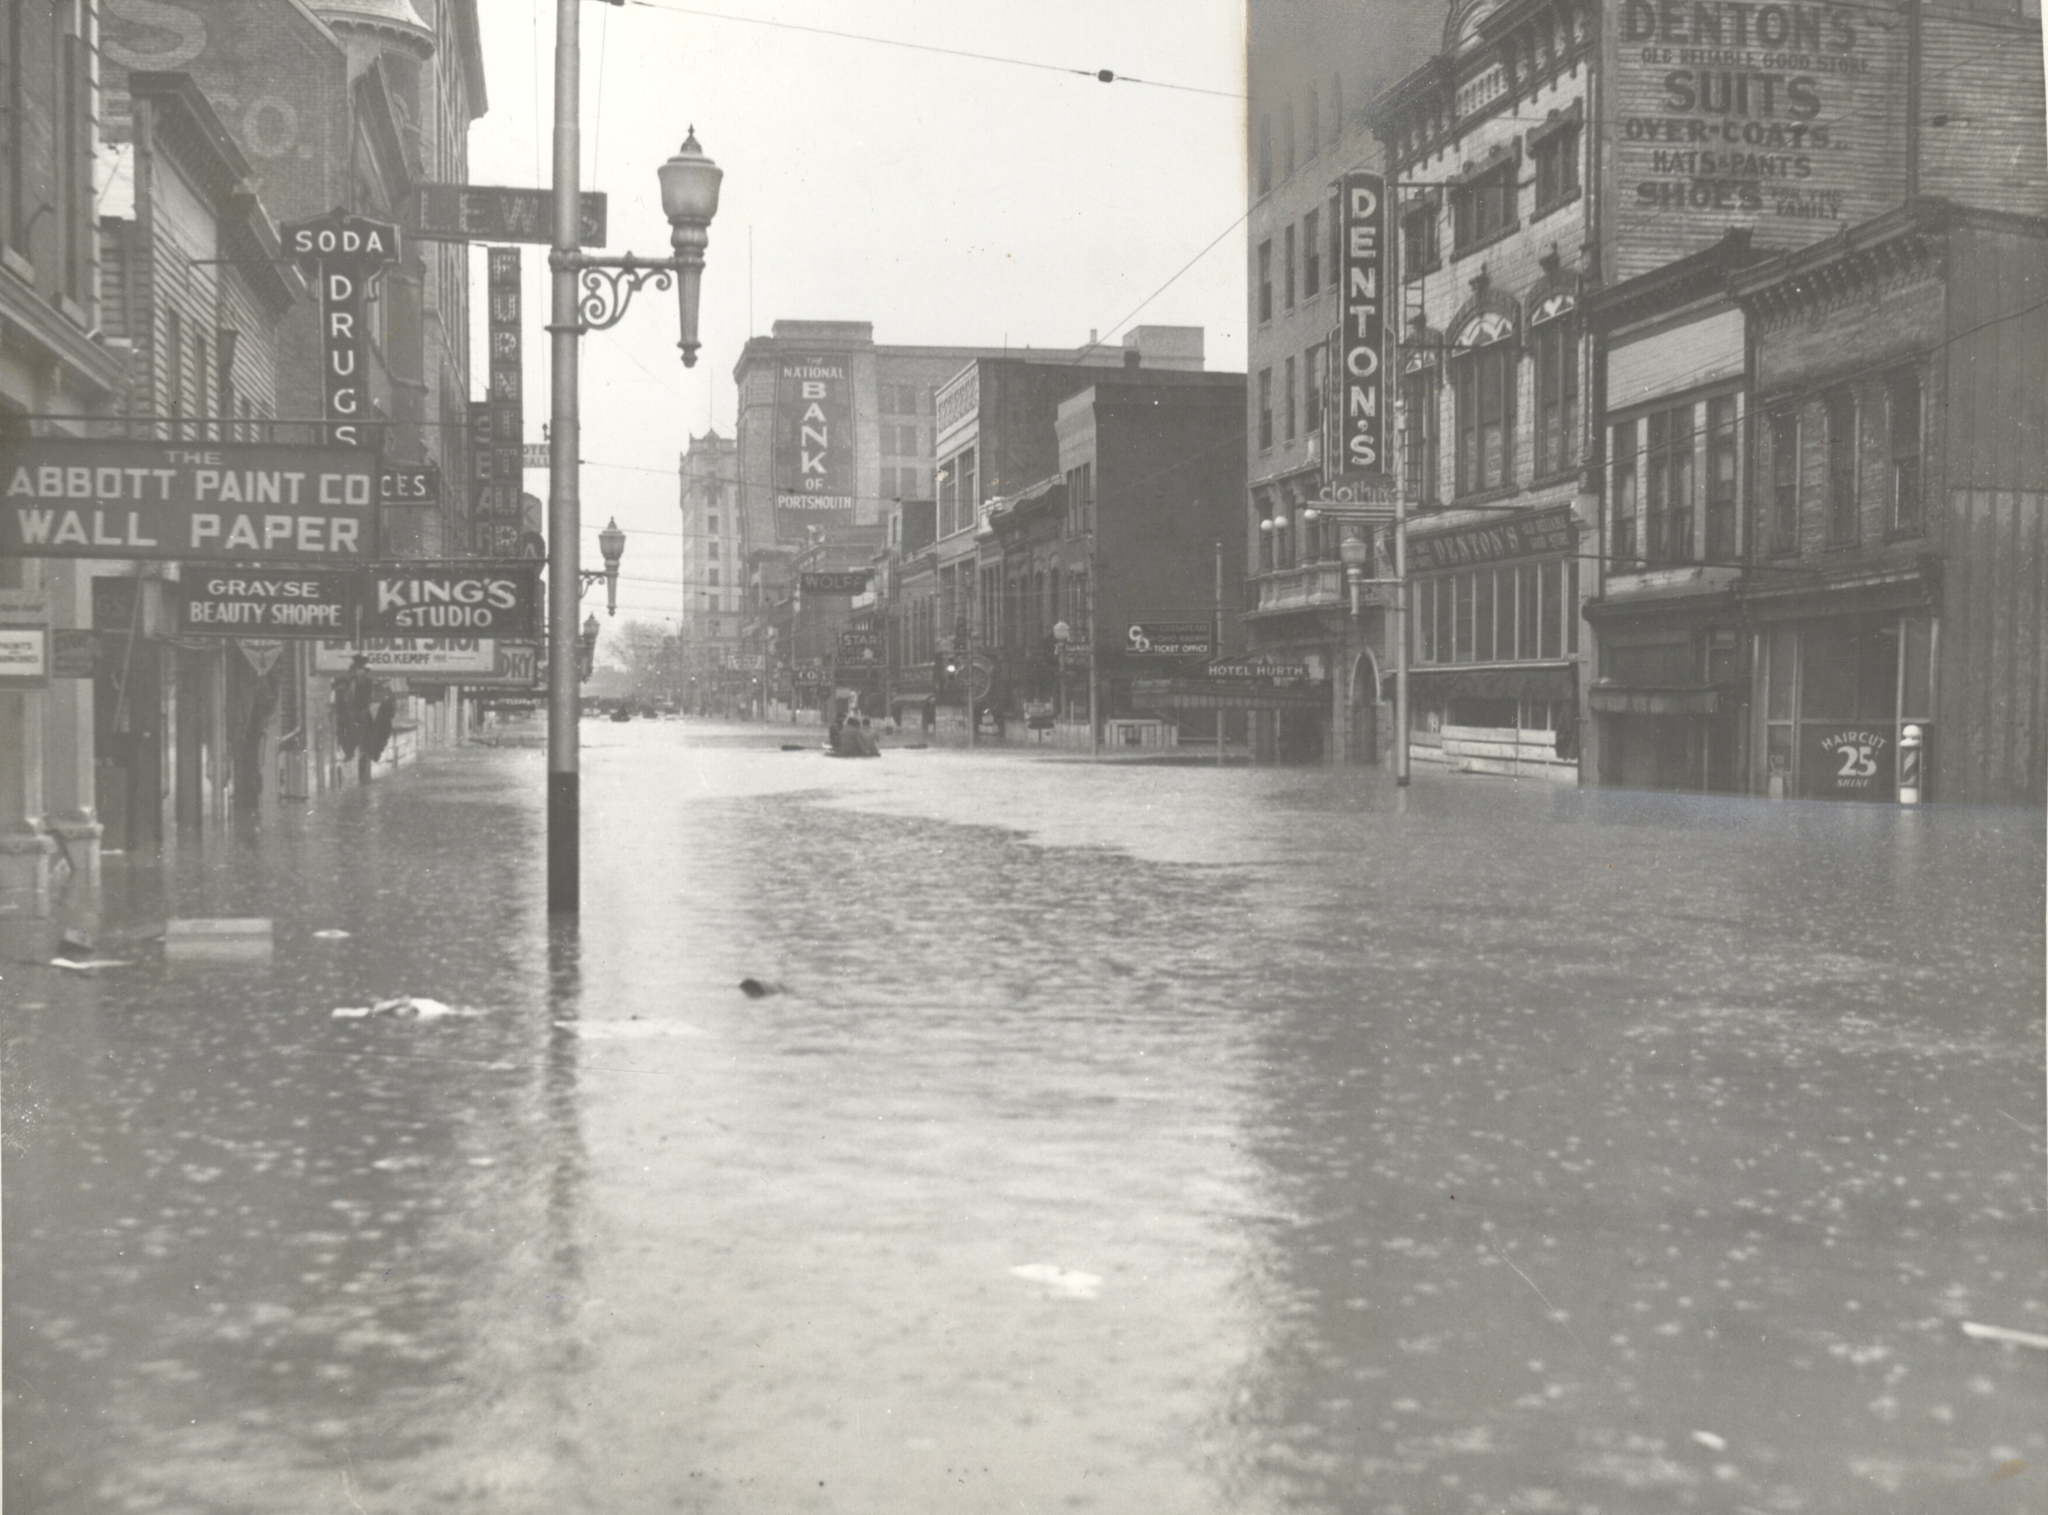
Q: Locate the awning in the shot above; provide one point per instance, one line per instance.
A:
(1615, 699)
(1546, 683)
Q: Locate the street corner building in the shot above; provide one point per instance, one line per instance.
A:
(1713, 338)
(182, 506)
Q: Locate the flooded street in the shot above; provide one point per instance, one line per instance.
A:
(1112, 1137)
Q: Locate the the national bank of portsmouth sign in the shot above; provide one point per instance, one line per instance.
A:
(73, 498)
(1730, 113)
(814, 452)
(1361, 348)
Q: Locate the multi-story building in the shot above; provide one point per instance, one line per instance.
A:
(1494, 231)
(1770, 583)
(1314, 66)
(713, 565)
(998, 437)
(57, 368)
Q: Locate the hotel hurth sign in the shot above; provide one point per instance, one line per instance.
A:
(1726, 113)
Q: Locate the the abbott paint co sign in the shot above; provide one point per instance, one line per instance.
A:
(73, 498)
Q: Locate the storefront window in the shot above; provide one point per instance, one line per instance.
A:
(1785, 482)
(1482, 616)
(1721, 479)
(1668, 496)
(1623, 547)
(1904, 423)
(1552, 621)
(1841, 413)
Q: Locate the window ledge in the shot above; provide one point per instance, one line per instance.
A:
(1567, 474)
(16, 264)
(1483, 496)
(1906, 534)
(1410, 275)
(1555, 206)
(1487, 241)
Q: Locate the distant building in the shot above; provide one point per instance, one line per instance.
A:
(713, 565)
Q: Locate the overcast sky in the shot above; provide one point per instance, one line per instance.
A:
(945, 199)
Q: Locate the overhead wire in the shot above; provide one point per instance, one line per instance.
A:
(1103, 75)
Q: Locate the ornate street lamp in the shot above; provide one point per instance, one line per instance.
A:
(1356, 553)
(689, 199)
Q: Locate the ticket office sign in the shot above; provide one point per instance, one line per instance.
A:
(69, 497)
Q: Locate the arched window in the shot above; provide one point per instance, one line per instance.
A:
(1483, 381)
(1554, 342)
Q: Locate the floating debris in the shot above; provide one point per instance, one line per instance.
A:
(331, 934)
(1060, 1283)
(2006, 1334)
(246, 937)
(754, 988)
(87, 966)
(406, 1007)
(1710, 1441)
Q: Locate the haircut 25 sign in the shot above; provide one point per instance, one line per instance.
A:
(1362, 415)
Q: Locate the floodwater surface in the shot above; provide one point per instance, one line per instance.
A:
(1113, 1137)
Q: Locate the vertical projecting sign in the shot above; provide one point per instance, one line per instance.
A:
(814, 460)
(1362, 414)
(343, 255)
(498, 530)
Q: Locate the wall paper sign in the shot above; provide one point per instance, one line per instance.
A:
(343, 255)
(1362, 411)
(72, 497)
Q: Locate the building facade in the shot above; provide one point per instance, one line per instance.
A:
(713, 567)
(1314, 69)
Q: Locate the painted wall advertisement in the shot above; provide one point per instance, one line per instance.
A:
(814, 451)
(1728, 113)
(1362, 413)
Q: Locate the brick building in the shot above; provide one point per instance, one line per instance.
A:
(1313, 68)
(713, 566)
(56, 369)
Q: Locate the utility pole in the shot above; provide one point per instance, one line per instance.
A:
(565, 436)
(1216, 647)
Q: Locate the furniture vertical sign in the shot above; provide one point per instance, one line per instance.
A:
(1362, 413)
(498, 531)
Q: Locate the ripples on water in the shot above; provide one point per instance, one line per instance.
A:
(1483, 1147)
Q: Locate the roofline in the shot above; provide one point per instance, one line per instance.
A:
(1928, 213)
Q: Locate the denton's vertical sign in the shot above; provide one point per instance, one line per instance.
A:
(498, 531)
(343, 255)
(1362, 410)
(814, 457)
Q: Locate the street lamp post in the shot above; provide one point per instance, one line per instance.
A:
(1356, 553)
(689, 199)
